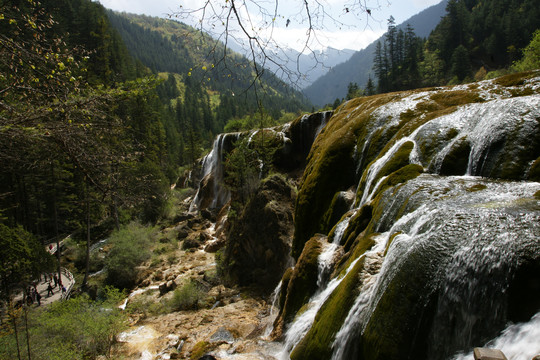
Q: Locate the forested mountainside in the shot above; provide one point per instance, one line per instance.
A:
(359, 67)
(473, 39)
(165, 45)
(90, 136)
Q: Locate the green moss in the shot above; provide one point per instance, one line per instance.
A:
(456, 97)
(537, 195)
(331, 169)
(303, 282)
(534, 172)
(357, 224)
(336, 210)
(400, 159)
(400, 321)
(402, 175)
(330, 166)
(516, 79)
(457, 159)
(390, 240)
(360, 245)
(200, 348)
(397, 161)
(284, 285)
(318, 341)
(523, 91)
(477, 187)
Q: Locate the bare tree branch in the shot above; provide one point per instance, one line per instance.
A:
(253, 25)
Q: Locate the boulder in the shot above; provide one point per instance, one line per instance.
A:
(167, 286)
(222, 335)
(257, 252)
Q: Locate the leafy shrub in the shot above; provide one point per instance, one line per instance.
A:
(187, 297)
(531, 55)
(129, 249)
(78, 328)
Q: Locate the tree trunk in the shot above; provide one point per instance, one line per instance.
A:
(56, 234)
(27, 331)
(13, 319)
(87, 267)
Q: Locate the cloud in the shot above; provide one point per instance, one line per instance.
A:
(422, 4)
(342, 39)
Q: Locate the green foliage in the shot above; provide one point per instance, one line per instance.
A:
(471, 36)
(170, 46)
(353, 91)
(130, 246)
(461, 67)
(396, 60)
(22, 259)
(189, 297)
(241, 169)
(531, 55)
(78, 328)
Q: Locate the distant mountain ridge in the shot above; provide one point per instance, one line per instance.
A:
(170, 46)
(312, 65)
(358, 67)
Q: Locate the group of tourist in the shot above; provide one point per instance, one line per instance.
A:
(33, 296)
(53, 281)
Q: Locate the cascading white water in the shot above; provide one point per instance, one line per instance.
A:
(329, 249)
(375, 168)
(374, 258)
(274, 298)
(518, 341)
(475, 238)
(302, 323)
(213, 164)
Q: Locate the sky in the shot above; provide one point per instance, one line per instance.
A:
(352, 32)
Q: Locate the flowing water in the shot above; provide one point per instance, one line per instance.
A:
(213, 164)
(452, 245)
(302, 323)
(472, 241)
(519, 341)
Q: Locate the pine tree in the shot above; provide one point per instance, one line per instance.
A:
(461, 66)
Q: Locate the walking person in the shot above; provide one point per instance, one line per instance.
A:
(38, 298)
(55, 278)
(50, 290)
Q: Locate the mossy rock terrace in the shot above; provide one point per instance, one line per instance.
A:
(482, 130)
(303, 281)
(446, 198)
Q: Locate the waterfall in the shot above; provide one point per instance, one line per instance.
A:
(344, 341)
(302, 323)
(471, 241)
(274, 297)
(375, 168)
(518, 341)
(212, 165)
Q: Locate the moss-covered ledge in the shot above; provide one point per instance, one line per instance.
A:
(317, 344)
(303, 281)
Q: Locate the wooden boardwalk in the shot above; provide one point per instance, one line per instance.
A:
(67, 280)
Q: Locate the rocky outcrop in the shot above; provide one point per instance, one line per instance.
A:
(490, 129)
(293, 142)
(439, 234)
(258, 247)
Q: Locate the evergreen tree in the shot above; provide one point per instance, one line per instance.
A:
(370, 87)
(461, 66)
